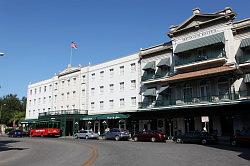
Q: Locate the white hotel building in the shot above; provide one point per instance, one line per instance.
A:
(85, 92)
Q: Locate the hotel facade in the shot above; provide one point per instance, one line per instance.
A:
(200, 78)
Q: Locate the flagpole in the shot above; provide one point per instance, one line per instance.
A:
(71, 52)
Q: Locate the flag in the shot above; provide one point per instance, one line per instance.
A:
(73, 45)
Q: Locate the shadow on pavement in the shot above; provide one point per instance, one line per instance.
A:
(243, 150)
(5, 145)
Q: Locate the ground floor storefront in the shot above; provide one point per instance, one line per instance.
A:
(223, 120)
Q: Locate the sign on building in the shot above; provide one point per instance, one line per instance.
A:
(204, 119)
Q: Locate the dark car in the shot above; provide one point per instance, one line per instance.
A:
(17, 133)
(195, 137)
(116, 134)
(152, 136)
(241, 138)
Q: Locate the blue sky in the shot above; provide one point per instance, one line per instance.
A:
(35, 35)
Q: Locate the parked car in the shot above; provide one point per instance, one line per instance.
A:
(195, 137)
(116, 134)
(152, 136)
(17, 133)
(86, 134)
(241, 138)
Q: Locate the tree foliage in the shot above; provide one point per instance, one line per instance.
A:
(12, 109)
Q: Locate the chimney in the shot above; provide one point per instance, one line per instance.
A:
(228, 10)
(196, 11)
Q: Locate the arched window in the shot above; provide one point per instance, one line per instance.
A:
(204, 90)
(187, 93)
(223, 88)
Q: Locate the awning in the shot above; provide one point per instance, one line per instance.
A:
(164, 63)
(89, 117)
(149, 66)
(201, 73)
(28, 121)
(247, 78)
(202, 42)
(163, 90)
(112, 116)
(245, 43)
(150, 92)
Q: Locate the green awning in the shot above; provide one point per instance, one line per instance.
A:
(245, 43)
(28, 121)
(149, 66)
(112, 116)
(202, 42)
(164, 63)
(247, 78)
(150, 92)
(89, 117)
(163, 90)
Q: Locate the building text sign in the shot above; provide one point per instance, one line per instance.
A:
(199, 35)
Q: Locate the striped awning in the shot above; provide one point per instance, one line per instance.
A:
(245, 43)
(149, 66)
(163, 90)
(247, 78)
(202, 42)
(150, 92)
(164, 63)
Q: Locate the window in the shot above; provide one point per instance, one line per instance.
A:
(101, 89)
(101, 105)
(121, 86)
(93, 76)
(44, 99)
(35, 91)
(132, 67)
(40, 89)
(56, 86)
(133, 101)
(30, 92)
(62, 83)
(83, 92)
(111, 72)
(92, 91)
(45, 88)
(133, 84)
(48, 109)
(111, 104)
(111, 88)
(67, 96)
(74, 93)
(68, 82)
(39, 100)
(49, 98)
(62, 96)
(83, 78)
(122, 102)
(121, 70)
(74, 80)
(30, 102)
(92, 105)
(34, 101)
(50, 87)
(101, 74)
(55, 98)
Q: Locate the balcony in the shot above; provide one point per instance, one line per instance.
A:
(190, 101)
(188, 62)
(64, 112)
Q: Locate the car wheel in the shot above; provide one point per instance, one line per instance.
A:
(233, 143)
(153, 139)
(204, 142)
(179, 140)
(117, 138)
(135, 139)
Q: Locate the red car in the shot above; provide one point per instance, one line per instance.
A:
(241, 138)
(152, 136)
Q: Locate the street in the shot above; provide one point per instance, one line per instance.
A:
(70, 152)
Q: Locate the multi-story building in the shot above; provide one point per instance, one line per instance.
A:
(87, 97)
(206, 84)
(200, 79)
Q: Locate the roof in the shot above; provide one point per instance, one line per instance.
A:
(201, 73)
(156, 48)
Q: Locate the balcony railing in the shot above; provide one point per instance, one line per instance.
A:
(157, 75)
(196, 58)
(64, 112)
(244, 59)
(190, 100)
